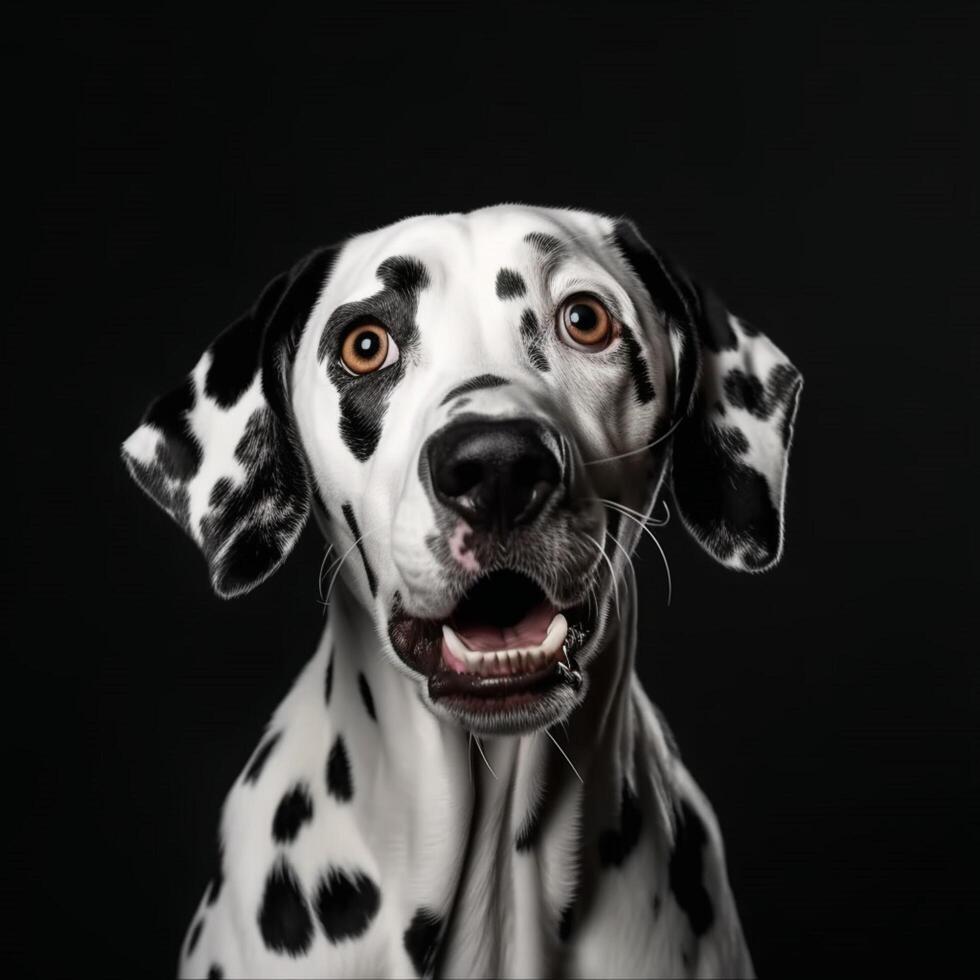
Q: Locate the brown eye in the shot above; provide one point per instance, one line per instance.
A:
(367, 348)
(585, 323)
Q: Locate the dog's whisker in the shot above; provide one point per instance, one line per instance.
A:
(626, 554)
(650, 534)
(565, 756)
(647, 519)
(634, 452)
(344, 558)
(480, 747)
(663, 554)
(326, 555)
(612, 571)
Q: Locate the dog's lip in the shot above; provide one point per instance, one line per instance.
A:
(447, 684)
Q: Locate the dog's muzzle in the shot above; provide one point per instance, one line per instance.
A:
(508, 646)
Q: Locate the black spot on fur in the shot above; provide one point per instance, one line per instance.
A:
(178, 453)
(724, 499)
(284, 917)
(638, 367)
(510, 284)
(616, 845)
(657, 904)
(546, 244)
(261, 757)
(263, 515)
(215, 973)
(295, 809)
(781, 384)
(360, 419)
(404, 275)
(781, 391)
(686, 870)
(356, 531)
(194, 936)
(366, 696)
(566, 922)
(422, 940)
(234, 357)
(364, 399)
(533, 341)
(328, 682)
(256, 554)
(474, 384)
(339, 782)
(218, 879)
(346, 903)
(746, 391)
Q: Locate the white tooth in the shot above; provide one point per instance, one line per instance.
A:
(555, 637)
(502, 658)
(516, 659)
(557, 631)
(456, 646)
(535, 658)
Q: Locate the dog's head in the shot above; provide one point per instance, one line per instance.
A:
(481, 410)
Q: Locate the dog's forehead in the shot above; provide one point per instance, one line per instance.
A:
(453, 246)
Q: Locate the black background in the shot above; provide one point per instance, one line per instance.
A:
(816, 164)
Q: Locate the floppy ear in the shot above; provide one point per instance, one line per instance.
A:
(220, 453)
(734, 403)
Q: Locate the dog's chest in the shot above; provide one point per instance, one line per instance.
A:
(364, 840)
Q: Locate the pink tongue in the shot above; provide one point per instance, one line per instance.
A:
(529, 632)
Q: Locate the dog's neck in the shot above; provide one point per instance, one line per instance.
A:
(491, 833)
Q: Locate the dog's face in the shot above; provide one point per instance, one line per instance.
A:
(481, 410)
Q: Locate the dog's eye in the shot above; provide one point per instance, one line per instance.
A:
(585, 324)
(366, 348)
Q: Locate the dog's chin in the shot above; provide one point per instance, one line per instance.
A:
(505, 661)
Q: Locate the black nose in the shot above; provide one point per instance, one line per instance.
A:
(495, 474)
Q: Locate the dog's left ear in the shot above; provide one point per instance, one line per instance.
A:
(733, 408)
(220, 453)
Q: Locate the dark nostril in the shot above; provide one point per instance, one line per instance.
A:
(462, 477)
(494, 474)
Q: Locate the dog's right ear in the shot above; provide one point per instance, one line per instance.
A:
(220, 453)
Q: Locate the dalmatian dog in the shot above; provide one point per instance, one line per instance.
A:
(484, 412)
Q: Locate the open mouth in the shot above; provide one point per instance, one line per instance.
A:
(504, 644)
